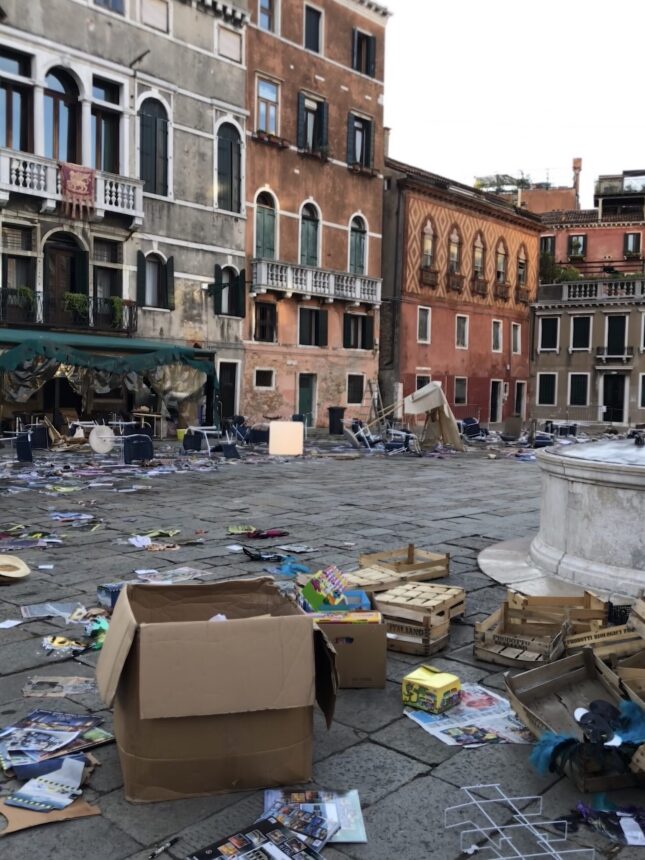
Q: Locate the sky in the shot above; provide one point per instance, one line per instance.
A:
(477, 87)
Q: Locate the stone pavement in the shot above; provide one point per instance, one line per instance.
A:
(405, 777)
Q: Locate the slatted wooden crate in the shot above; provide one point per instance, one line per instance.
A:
(584, 612)
(608, 644)
(418, 615)
(411, 563)
(508, 638)
(636, 620)
(419, 639)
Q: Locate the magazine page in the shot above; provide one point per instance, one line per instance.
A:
(343, 808)
(266, 839)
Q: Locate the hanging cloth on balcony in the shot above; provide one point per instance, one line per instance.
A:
(77, 189)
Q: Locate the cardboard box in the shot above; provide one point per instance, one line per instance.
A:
(360, 648)
(430, 689)
(546, 697)
(202, 707)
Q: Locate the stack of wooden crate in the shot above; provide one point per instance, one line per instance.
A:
(418, 615)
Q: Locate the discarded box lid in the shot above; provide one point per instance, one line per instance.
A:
(186, 662)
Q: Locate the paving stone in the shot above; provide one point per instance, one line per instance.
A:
(333, 740)
(94, 837)
(407, 737)
(368, 710)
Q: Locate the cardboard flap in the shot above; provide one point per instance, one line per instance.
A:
(116, 647)
(225, 667)
(326, 675)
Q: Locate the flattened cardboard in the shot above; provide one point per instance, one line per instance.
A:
(286, 438)
(23, 819)
(361, 655)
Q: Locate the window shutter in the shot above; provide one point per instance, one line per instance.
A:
(347, 329)
(351, 152)
(369, 333)
(354, 48)
(625, 239)
(370, 153)
(269, 234)
(236, 175)
(300, 142)
(147, 152)
(323, 124)
(322, 331)
(371, 56)
(161, 156)
(240, 294)
(169, 272)
(224, 170)
(82, 272)
(141, 279)
(217, 290)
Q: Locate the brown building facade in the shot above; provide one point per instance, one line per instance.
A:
(460, 268)
(314, 206)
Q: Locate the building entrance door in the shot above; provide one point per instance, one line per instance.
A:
(307, 396)
(228, 389)
(613, 397)
(520, 398)
(66, 277)
(495, 401)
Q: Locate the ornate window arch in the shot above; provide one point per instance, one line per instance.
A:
(153, 146)
(265, 226)
(522, 266)
(62, 116)
(501, 262)
(454, 250)
(479, 256)
(357, 245)
(427, 244)
(310, 234)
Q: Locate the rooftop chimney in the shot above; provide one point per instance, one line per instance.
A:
(386, 141)
(577, 167)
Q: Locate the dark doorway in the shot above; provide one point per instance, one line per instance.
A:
(495, 401)
(59, 394)
(520, 398)
(66, 300)
(613, 397)
(228, 389)
(616, 326)
(306, 396)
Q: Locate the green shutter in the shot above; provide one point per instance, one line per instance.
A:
(351, 151)
(368, 340)
(240, 294)
(371, 56)
(147, 152)
(322, 328)
(355, 49)
(217, 290)
(141, 279)
(265, 233)
(169, 271)
(347, 329)
(369, 161)
(300, 141)
(161, 156)
(323, 124)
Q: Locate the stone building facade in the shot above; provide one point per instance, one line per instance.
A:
(314, 202)
(460, 268)
(149, 97)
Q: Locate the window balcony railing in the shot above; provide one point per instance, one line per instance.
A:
(609, 353)
(22, 173)
(522, 295)
(618, 290)
(455, 282)
(429, 276)
(308, 281)
(479, 286)
(24, 307)
(502, 291)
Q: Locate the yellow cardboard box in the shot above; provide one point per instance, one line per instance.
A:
(430, 689)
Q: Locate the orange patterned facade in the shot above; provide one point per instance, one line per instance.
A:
(460, 269)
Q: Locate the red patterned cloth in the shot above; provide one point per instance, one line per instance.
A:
(77, 188)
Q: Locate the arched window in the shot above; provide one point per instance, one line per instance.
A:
(500, 263)
(427, 246)
(479, 261)
(265, 227)
(62, 117)
(521, 267)
(153, 147)
(357, 233)
(309, 236)
(229, 172)
(454, 252)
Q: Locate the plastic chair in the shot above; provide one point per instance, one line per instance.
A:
(303, 420)
(137, 447)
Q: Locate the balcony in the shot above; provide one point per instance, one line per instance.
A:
(307, 281)
(479, 286)
(455, 282)
(614, 355)
(21, 173)
(522, 295)
(24, 307)
(502, 291)
(429, 276)
(594, 292)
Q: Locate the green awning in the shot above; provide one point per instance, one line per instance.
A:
(116, 355)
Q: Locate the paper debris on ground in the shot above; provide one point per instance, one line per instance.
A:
(23, 819)
(343, 807)
(481, 717)
(266, 838)
(37, 740)
(298, 549)
(56, 790)
(55, 686)
(10, 622)
(310, 825)
(51, 610)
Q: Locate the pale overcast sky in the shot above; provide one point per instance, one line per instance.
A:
(475, 87)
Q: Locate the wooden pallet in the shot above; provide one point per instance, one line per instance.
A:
(612, 643)
(418, 601)
(409, 560)
(507, 639)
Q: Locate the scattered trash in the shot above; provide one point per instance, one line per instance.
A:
(429, 689)
(23, 819)
(248, 842)
(10, 622)
(51, 610)
(55, 791)
(12, 568)
(259, 555)
(53, 686)
(298, 549)
(342, 807)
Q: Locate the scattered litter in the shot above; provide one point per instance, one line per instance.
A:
(240, 530)
(235, 547)
(341, 807)
(167, 577)
(45, 567)
(11, 569)
(269, 533)
(53, 686)
(140, 541)
(429, 689)
(54, 791)
(10, 622)
(23, 819)
(51, 610)
(288, 567)
(298, 549)
(623, 825)
(249, 841)
(262, 555)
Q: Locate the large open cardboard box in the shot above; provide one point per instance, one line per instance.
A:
(361, 655)
(202, 706)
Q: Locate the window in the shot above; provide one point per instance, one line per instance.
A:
(266, 323)
(423, 325)
(497, 335)
(642, 394)
(154, 13)
(62, 117)
(267, 117)
(153, 146)
(155, 281)
(230, 44)
(358, 331)
(309, 235)
(427, 248)
(105, 127)
(112, 5)
(313, 124)
(364, 53)
(549, 334)
(355, 388)
(264, 378)
(19, 267)
(516, 338)
(107, 284)
(547, 245)
(265, 225)
(500, 263)
(15, 103)
(360, 141)
(632, 245)
(421, 380)
(546, 389)
(454, 252)
(313, 21)
(580, 333)
(578, 389)
(229, 168)
(478, 257)
(107, 251)
(267, 15)
(357, 234)
(312, 328)
(229, 292)
(521, 268)
(461, 332)
(461, 390)
(577, 246)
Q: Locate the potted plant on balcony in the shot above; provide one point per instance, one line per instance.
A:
(20, 304)
(117, 311)
(78, 305)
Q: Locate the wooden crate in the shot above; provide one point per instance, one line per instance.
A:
(507, 638)
(418, 601)
(421, 639)
(636, 620)
(409, 560)
(584, 612)
(612, 643)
